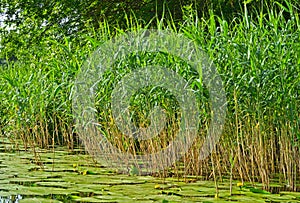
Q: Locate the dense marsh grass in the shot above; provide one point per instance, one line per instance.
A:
(257, 56)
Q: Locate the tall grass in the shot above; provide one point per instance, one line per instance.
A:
(257, 57)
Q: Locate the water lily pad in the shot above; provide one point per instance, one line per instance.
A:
(38, 200)
(61, 178)
(91, 199)
(12, 188)
(28, 181)
(259, 191)
(3, 166)
(63, 185)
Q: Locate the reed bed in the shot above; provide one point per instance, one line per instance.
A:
(257, 56)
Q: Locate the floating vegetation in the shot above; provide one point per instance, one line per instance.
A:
(61, 180)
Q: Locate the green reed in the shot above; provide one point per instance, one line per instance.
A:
(256, 55)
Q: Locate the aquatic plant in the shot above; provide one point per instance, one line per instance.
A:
(257, 57)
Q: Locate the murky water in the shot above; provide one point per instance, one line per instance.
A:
(66, 176)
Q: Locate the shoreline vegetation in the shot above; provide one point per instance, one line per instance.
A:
(72, 176)
(257, 55)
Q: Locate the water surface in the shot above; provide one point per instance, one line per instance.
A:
(72, 176)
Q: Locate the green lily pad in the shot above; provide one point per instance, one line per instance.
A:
(55, 184)
(38, 200)
(259, 191)
(91, 199)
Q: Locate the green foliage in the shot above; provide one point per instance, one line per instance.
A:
(256, 53)
(33, 21)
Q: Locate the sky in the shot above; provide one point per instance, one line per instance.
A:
(1, 19)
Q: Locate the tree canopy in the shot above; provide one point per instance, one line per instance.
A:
(33, 20)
